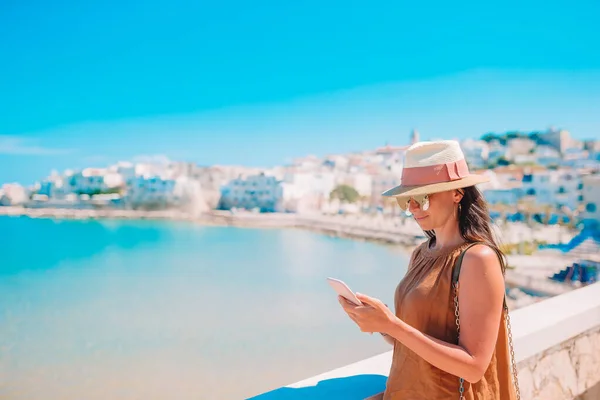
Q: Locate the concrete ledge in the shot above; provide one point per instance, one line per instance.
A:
(543, 325)
(567, 321)
(569, 370)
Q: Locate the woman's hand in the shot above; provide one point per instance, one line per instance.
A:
(372, 316)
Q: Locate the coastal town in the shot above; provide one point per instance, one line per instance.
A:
(544, 195)
(548, 175)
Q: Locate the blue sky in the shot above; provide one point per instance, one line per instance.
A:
(261, 82)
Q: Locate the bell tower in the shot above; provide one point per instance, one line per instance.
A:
(414, 136)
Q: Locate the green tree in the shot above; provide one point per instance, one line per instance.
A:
(535, 135)
(345, 193)
(514, 135)
(488, 137)
(502, 161)
(114, 190)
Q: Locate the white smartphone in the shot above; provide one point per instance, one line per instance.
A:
(343, 290)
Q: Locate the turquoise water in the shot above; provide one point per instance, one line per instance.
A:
(155, 310)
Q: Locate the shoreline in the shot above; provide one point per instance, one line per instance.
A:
(76, 213)
(332, 226)
(381, 230)
(391, 230)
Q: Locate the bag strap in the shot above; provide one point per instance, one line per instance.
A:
(458, 265)
(455, 277)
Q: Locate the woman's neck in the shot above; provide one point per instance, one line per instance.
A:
(448, 235)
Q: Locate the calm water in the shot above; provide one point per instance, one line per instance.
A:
(156, 310)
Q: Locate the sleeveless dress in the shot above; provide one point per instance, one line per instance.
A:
(424, 299)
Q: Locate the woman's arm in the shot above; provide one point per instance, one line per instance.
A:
(389, 339)
(481, 294)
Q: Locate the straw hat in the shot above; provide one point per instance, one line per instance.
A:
(432, 167)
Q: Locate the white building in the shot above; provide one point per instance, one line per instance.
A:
(523, 159)
(189, 196)
(56, 186)
(392, 154)
(372, 158)
(92, 181)
(520, 147)
(547, 155)
(496, 151)
(503, 188)
(573, 157)
(305, 192)
(591, 198)
(307, 163)
(361, 181)
(561, 188)
(154, 168)
(476, 153)
(126, 169)
(13, 194)
(256, 191)
(381, 183)
(559, 139)
(336, 162)
(151, 192)
(593, 146)
(212, 179)
(508, 196)
(181, 169)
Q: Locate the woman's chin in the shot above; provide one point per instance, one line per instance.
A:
(423, 223)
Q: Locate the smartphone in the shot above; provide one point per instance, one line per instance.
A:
(343, 290)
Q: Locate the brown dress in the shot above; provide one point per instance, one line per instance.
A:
(424, 300)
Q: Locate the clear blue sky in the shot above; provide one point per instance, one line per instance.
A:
(260, 82)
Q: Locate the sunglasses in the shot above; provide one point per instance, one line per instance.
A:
(422, 200)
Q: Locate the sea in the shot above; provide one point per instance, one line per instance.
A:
(120, 309)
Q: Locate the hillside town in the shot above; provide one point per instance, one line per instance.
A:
(543, 175)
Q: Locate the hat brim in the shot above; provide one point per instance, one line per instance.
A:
(408, 191)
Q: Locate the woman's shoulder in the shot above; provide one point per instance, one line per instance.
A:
(481, 252)
(482, 267)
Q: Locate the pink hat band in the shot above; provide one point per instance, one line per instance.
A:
(438, 173)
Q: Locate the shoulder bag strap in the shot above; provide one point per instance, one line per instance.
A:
(455, 277)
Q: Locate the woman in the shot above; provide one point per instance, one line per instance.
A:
(442, 349)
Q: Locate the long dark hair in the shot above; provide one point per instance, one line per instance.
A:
(474, 222)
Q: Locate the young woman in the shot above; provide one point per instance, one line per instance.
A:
(448, 343)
